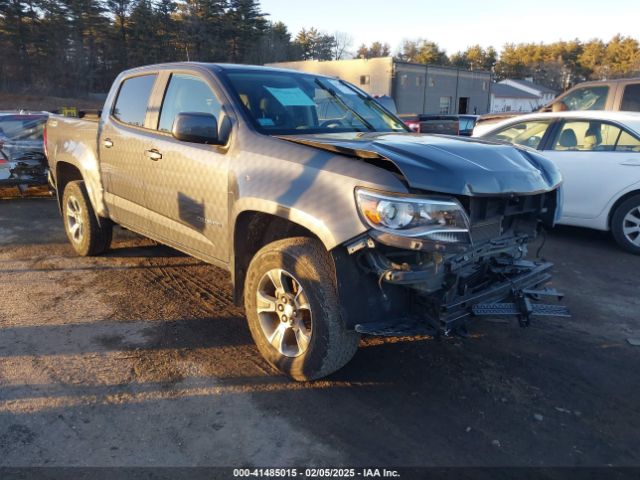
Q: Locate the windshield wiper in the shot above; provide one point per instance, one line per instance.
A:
(344, 105)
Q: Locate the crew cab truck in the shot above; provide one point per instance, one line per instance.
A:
(333, 219)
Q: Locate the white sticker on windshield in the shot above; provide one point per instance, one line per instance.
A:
(291, 97)
(342, 88)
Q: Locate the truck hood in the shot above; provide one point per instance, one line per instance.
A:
(445, 164)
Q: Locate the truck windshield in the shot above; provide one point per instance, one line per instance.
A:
(283, 103)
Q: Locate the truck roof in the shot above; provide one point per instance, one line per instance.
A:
(219, 67)
(605, 82)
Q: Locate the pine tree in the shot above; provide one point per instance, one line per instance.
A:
(246, 24)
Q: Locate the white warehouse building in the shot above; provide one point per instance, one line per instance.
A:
(505, 98)
(544, 94)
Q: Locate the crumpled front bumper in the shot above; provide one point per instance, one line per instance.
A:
(513, 297)
(513, 288)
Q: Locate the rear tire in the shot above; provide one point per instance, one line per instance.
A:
(293, 310)
(625, 224)
(88, 235)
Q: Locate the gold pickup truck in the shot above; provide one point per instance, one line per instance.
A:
(333, 219)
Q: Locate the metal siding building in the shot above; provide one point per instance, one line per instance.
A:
(416, 88)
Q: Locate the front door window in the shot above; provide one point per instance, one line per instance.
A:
(187, 93)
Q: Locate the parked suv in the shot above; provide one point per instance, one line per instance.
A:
(622, 94)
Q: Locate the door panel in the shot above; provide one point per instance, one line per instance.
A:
(121, 144)
(590, 180)
(187, 187)
(187, 196)
(593, 171)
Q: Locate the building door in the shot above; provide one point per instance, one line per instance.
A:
(463, 105)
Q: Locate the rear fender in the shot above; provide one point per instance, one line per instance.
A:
(74, 142)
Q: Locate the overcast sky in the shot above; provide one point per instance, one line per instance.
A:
(456, 24)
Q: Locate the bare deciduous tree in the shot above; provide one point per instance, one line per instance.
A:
(342, 42)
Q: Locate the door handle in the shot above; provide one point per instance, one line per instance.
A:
(107, 143)
(153, 154)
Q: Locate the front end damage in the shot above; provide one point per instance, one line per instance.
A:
(424, 286)
(455, 244)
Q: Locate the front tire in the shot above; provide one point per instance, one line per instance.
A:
(293, 310)
(625, 225)
(87, 235)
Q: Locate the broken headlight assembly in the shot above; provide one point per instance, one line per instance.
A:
(434, 219)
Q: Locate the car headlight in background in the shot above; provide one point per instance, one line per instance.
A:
(429, 218)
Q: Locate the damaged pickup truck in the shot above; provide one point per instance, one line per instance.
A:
(333, 219)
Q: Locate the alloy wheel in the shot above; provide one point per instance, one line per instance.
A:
(631, 226)
(284, 312)
(75, 222)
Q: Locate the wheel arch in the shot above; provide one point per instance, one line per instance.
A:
(619, 202)
(65, 172)
(253, 230)
(68, 171)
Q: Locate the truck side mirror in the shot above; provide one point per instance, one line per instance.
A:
(196, 127)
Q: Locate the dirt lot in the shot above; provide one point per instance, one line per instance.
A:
(139, 358)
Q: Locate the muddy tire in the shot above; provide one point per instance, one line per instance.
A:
(625, 224)
(87, 235)
(293, 311)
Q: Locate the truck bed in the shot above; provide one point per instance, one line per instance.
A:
(74, 140)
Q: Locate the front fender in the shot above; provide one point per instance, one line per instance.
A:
(331, 233)
(312, 188)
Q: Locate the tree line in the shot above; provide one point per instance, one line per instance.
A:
(556, 65)
(71, 47)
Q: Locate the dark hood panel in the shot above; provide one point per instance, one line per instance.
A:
(444, 164)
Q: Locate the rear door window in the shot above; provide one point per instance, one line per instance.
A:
(133, 98)
(631, 98)
(584, 135)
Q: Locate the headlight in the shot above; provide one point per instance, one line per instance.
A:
(429, 218)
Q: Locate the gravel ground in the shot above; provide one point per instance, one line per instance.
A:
(138, 357)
